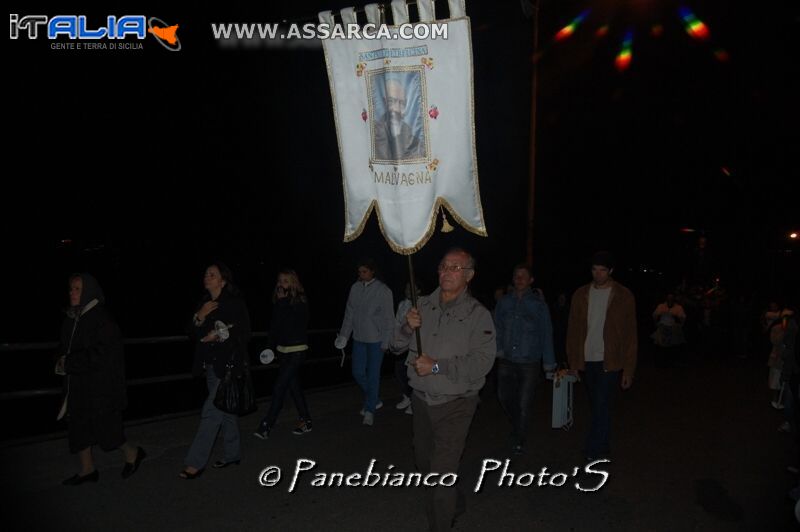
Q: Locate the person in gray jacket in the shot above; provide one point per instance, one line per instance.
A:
(369, 316)
(458, 350)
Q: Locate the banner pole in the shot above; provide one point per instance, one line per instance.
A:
(413, 284)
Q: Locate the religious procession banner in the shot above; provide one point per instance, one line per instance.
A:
(404, 112)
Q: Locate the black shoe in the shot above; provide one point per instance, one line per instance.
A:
(302, 427)
(76, 480)
(131, 467)
(262, 431)
(185, 475)
(219, 464)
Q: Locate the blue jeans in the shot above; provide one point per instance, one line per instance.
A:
(288, 380)
(211, 419)
(516, 383)
(600, 385)
(367, 360)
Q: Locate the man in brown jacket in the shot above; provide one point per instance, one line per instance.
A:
(601, 343)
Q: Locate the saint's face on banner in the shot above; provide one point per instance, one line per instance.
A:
(397, 105)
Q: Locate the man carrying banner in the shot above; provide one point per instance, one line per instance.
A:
(458, 338)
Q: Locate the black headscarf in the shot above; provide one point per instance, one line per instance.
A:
(91, 289)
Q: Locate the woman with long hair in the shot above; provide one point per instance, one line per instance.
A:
(220, 330)
(289, 337)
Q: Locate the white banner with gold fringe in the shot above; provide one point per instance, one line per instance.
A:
(404, 114)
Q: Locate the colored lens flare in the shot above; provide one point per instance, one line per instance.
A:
(657, 30)
(567, 31)
(722, 55)
(694, 26)
(602, 31)
(623, 60)
(687, 230)
(625, 55)
(726, 171)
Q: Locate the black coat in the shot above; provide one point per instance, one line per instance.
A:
(231, 310)
(95, 363)
(289, 325)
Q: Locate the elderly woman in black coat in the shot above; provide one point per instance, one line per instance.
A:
(94, 365)
(214, 352)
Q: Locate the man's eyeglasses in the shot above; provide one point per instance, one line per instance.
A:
(452, 268)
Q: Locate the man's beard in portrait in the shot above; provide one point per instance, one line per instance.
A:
(395, 122)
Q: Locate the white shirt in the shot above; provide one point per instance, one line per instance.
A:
(594, 348)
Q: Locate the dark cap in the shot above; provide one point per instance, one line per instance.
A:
(603, 258)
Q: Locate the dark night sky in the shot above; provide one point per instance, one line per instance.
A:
(114, 150)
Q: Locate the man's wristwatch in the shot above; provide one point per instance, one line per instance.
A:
(435, 368)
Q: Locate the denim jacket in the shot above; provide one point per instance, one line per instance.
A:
(524, 330)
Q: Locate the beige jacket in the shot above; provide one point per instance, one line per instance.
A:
(460, 336)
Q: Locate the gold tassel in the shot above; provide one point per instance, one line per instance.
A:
(446, 227)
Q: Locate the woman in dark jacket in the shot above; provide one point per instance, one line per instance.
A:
(289, 336)
(94, 364)
(214, 350)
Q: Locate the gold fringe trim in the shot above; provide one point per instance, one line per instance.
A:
(446, 227)
(440, 203)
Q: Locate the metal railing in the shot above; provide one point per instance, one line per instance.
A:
(45, 346)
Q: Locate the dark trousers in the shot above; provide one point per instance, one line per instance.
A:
(516, 383)
(440, 433)
(794, 384)
(401, 374)
(288, 380)
(600, 385)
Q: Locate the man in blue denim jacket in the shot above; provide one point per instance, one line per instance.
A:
(524, 344)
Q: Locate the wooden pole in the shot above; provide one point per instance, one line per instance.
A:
(413, 284)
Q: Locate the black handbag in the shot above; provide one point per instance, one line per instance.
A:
(235, 393)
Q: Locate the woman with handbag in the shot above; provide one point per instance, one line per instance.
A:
(289, 336)
(94, 367)
(220, 330)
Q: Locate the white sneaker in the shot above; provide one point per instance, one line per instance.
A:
(785, 427)
(776, 405)
(405, 403)
(377, 407)
(409, 410)
(368, 418)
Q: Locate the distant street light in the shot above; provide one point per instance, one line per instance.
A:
(793, 235)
